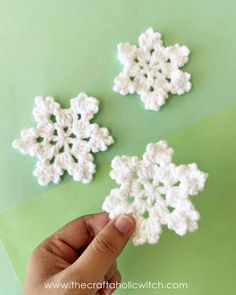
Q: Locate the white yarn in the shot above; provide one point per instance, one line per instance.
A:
(155, 192)
(152, 70)
(64, 139)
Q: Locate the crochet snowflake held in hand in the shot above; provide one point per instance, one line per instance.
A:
(155, 192)
(64, 139)
(152, 70)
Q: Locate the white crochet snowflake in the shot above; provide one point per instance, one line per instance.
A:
(64, 139)
(155, 192)
(152, 70)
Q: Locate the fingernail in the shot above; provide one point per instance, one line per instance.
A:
(124, 223)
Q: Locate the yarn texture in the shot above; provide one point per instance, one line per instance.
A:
(155, 192)
(152, 70)
(64, 139)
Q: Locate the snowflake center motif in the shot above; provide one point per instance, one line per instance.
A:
(64, 139)
(155, 192)
(152, 70)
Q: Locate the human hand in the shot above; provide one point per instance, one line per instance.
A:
(82, 252)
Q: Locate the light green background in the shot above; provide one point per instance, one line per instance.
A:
(9, 283)
(63, 47)
(206, 260)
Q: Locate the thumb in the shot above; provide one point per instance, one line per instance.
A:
(102, 252)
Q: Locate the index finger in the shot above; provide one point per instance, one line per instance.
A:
(80, 232)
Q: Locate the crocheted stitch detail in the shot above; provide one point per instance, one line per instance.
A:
(64, 139)
(155, 192)
(152, 70)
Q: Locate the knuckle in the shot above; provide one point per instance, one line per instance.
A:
(41, 250)
(53, 245)
(35, 254)
(104, 244)
(35, 257)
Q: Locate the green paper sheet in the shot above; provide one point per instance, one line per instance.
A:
(9, 283)
(206, 260)
(61, 48)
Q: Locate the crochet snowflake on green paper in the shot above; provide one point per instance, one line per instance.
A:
(152, 70)
(155, 192)
(64, 139)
